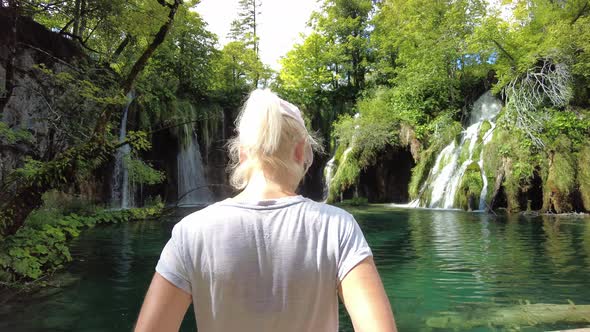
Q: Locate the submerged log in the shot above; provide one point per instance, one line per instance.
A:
(520, 315)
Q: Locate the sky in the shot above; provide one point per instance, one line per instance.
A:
(281, 23)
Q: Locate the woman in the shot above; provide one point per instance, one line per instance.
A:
(267, 259)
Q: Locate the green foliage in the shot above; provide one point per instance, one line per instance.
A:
(41, 247)
(469, 190)
(12, 136)
(238, 69)
(305, 71)
(182, 67)
(574, 125)
(141, 172)
(139, 140)
(346, 175)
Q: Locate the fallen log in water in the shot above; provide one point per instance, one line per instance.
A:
(520, 315)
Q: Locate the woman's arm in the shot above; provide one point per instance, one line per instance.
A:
(367, 304)
(164, 307)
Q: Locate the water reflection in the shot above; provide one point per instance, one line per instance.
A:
(558, 244)
(586, 244)
(460, 266)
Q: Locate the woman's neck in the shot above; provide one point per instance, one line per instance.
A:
(260, 188)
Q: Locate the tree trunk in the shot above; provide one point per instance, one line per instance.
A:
(83, 20)
(76, 27)
(121, 48)
(158, 39)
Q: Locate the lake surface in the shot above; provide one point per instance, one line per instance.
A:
(433, 263)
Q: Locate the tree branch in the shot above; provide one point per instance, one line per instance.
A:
(580, 13)
(158, 39)
(503, 50)
(81, 41)
(165, 4)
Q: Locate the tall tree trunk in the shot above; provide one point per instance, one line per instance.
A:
(83, 20)
(76, 27)
(255, 14)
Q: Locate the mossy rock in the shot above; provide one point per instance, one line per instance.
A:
(583, 179)
(464, 155)
(467, 196)
(347, 172)
(421, 171)
(483, 129)
(477, 150)
(561, 178)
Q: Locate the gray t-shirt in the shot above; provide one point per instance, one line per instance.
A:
(271, 265)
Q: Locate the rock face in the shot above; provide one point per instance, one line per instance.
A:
(28, 106)
(210, 138)
(25, 106)
(388, 179)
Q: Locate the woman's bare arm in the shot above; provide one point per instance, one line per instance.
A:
(164, 307)
(363, 294)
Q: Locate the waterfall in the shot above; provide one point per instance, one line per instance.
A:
(192, 185)
(445, 177)
(121, 193)
(328, 173)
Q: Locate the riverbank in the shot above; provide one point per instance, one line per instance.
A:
(30, 257)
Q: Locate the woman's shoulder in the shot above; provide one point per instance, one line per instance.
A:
(327, 211)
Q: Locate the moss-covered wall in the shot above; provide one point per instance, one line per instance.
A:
(583, 172)
(467, 196)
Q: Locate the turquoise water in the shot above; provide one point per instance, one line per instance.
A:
(433, 264)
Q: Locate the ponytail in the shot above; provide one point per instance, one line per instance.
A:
(260, 122)
(268, 128)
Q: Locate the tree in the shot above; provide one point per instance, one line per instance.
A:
(346, 25)
(238, 69)
(244, 27)
(540, 51)
(24, 192)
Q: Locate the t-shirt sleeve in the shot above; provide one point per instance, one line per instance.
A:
(353, 247)
(172, 265)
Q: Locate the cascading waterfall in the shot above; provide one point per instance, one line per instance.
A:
(121, 192)
(328, 173)
(192, 185)
(445, 177)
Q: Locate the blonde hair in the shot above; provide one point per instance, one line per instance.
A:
(267, 134)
